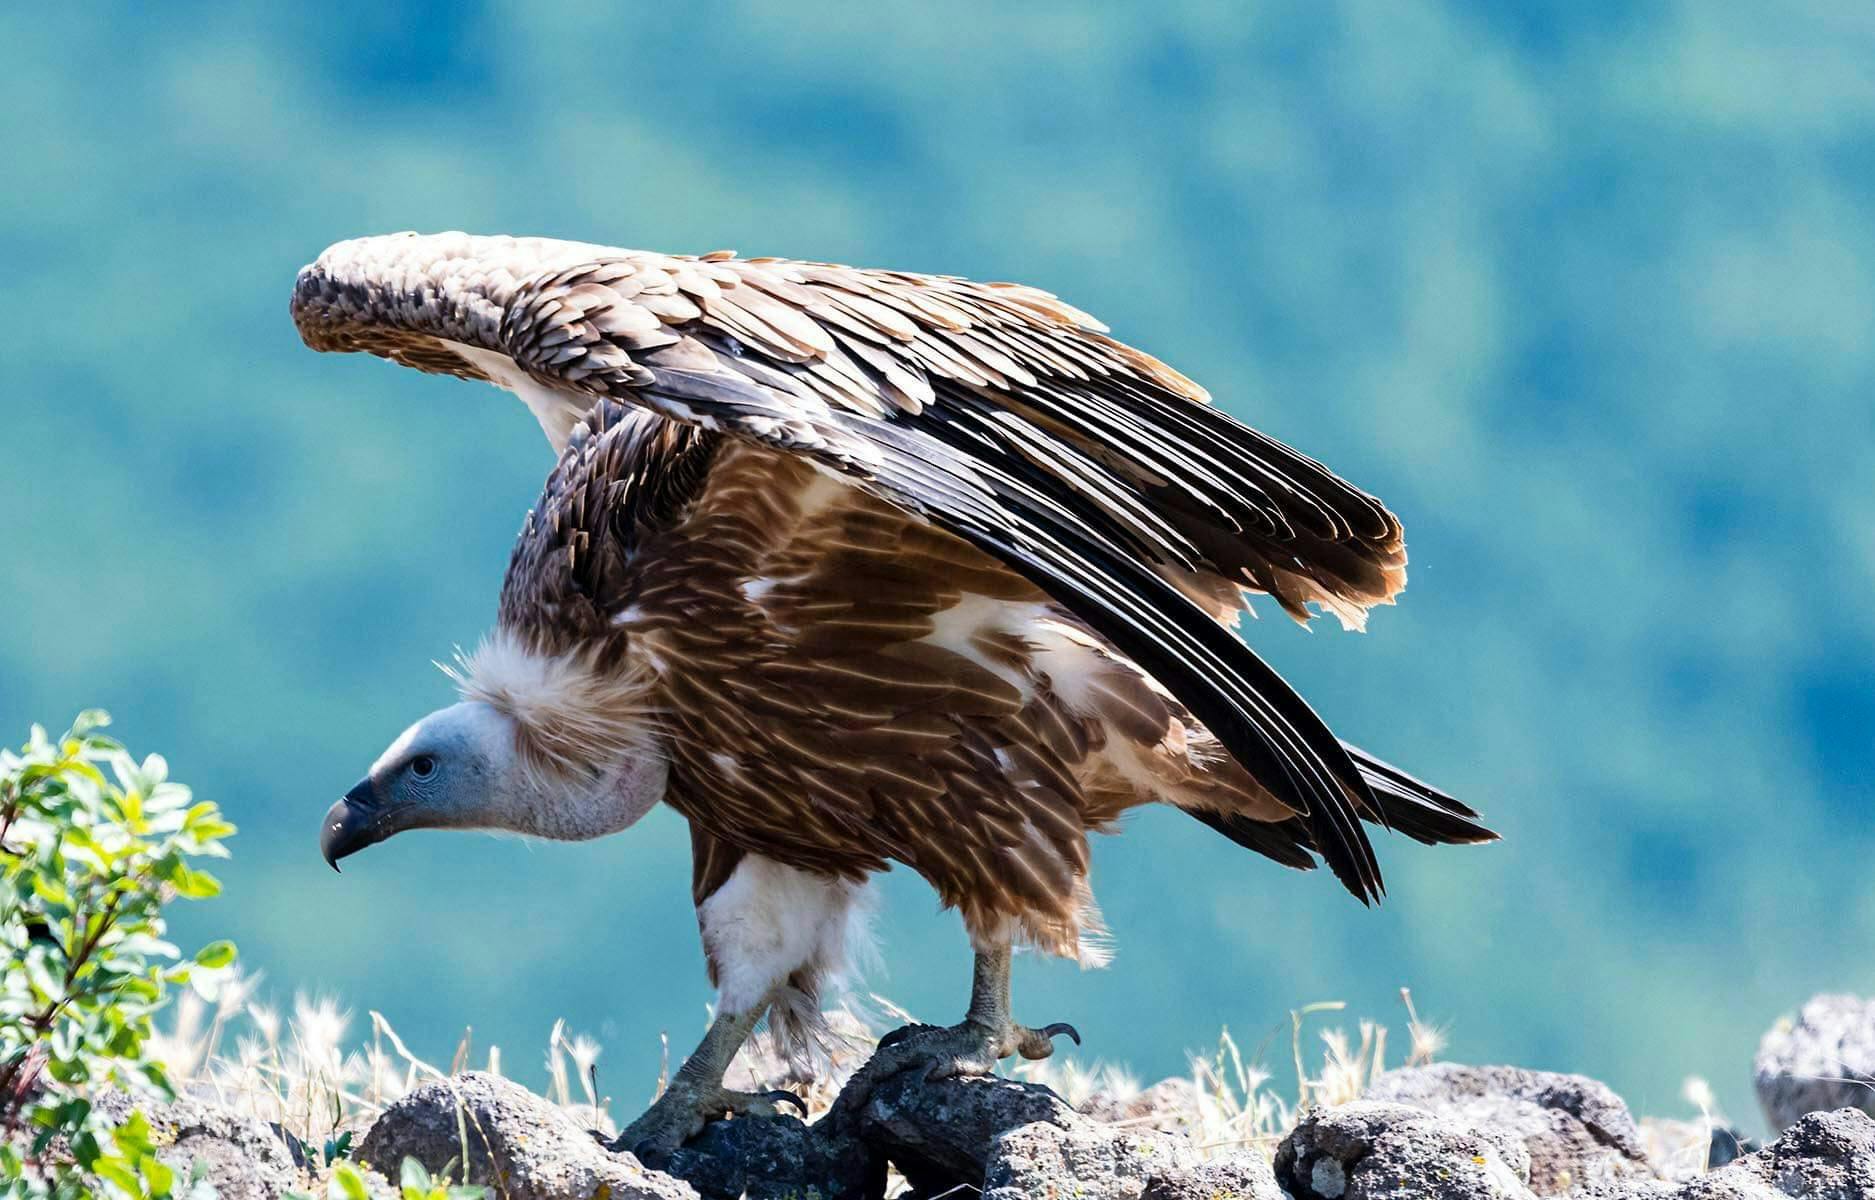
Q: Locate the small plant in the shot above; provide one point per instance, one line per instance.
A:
(87, 862)
(347, 1182)
(417, 1184)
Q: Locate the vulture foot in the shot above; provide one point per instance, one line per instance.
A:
(973, 1047)
(685, 1108)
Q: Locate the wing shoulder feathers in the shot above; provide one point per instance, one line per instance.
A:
(830, 343)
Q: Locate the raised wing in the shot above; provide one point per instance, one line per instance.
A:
(994, 410)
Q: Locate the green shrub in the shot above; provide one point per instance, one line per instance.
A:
(87, 862)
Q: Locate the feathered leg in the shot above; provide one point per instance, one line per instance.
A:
(696, 1095)
(974, 1046)
(771, 934)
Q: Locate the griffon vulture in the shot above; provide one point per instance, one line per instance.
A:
(854, 567)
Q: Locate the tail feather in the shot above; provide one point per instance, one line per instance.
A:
(1287, 842)
(1405, 804)
(1415, 808)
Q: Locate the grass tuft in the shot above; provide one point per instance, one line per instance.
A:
(302, 1070)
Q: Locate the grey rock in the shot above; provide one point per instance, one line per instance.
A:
(246, 1159)
(1824, 1156)
(517, 1142)
(943, 1133)
(1012, 1140)
(1243, 1176)
(1576, 1130)
(1084, 1159)
(1824, 1060)
(776, 1158)
(1370, 1150)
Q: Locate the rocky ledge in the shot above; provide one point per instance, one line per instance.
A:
(1442, 1132)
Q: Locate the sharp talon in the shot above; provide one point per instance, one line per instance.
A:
(1061, 1027)
(779, 1097)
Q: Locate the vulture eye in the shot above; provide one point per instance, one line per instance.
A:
(423, 766)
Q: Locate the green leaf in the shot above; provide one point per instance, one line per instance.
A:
(117, 1171)
(158, 1174)
(215, 955)
(346, 1183)
(52, 889)
(86, 1150)
(466, 1191)
(133, 1136)
(213, 829)
(143, 945)
(131, 802)
(159, 1078)
(413, 1178)
(206, 984)
(196, 885)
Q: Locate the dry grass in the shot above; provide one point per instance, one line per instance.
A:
(304, 1071)
(1231, 1100)
(1681, 1149)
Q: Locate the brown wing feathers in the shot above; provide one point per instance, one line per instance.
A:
(964, 480)
(1001, 414)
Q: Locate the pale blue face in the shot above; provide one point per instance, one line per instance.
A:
(459, 768)
(449, 770)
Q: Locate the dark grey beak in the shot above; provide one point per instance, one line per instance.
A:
(356, 821)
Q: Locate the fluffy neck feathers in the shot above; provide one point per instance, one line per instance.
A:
(571, 713)
(588, 761)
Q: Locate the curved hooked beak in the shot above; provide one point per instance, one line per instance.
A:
(356, 821)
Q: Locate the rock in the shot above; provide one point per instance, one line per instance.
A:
(517, 1142)
(1242, 1176)
(1011, 1140)
(1824, 1060)
(1576, 1130)
(943, 1133)
(1369, 1150)
(247, 1159)
(1083, 1159)
(1824, 1156)
(775, 1158)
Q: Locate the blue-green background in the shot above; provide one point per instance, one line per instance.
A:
(1584, 291)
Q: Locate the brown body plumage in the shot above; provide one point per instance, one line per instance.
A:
(883, 567)
(841, 685)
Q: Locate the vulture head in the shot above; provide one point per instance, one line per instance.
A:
(502, 759)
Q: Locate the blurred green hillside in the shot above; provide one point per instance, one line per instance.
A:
(1584, 291)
